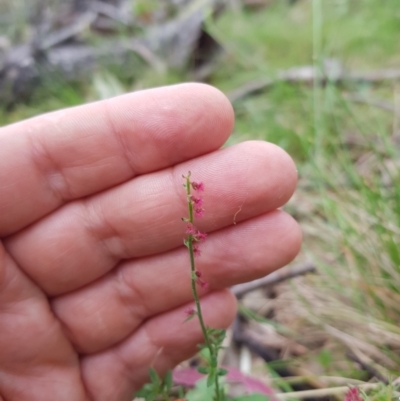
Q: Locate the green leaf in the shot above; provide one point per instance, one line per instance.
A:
(168, 382)
(190, 317)
(204, 370)
(205, 352)
(201, 392)
(258, 318)
(325, 358)
(154, 377)
(222, 372)
(149, 392)
(146, 389)
(152, 396)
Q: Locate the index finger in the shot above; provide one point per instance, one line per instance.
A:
(72, 153)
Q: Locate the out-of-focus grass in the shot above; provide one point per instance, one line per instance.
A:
(348, 201)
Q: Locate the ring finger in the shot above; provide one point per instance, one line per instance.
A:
(105, 312)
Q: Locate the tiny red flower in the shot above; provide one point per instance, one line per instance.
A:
(203, 284)
(199, 236)
(190, 230)
(198, 186)
(190, 311)
(197, 201)
(198, 212)
(196, 250)
(353, 394)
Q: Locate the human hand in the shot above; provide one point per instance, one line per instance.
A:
(94, 278)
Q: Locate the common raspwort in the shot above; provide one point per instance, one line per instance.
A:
(192, 242)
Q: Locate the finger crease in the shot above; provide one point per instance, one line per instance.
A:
(130, 364)
(52, 172)
(131, 296)
(120, 140)
(105, 235)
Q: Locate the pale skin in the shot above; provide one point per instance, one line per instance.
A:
(94, 279)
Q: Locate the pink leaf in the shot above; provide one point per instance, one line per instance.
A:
(186, 377)
(189, 376)
(251, 384)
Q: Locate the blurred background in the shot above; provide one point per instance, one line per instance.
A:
(320, 78)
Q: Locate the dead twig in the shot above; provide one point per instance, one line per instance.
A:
(358, 358)
(359, 346)
(324, 392)
(381, 104)
(274, 278)
(332, 71)
(327, 379)
(110, 11)
(68, 32)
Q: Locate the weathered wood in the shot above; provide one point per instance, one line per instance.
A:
(274, 278)
(57, 49)
(332, 71)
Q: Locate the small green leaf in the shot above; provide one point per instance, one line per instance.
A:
(201, 392)
(146, 389)
(205, 352)
(204, 370)
(325, 358)
(222, 372)
(154, 377)
(190, 317)
(152, 396)
(168, 380)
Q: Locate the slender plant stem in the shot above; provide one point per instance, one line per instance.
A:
(196, 296)
(195, 293)
(217, 391)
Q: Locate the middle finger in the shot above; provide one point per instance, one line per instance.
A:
(85, 239)
(104, 313)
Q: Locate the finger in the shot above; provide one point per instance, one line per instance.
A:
(162, 343)
(72, 153)
(102, 314)
(86, 239)
(37, 363)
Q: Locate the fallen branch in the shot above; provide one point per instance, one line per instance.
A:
(243, 337)
(332, 71)
(381, 104)
(62, 35)
(110, 11)
(328, 379)
(274, 278)
(325, 392)
(360, 359)
(360, 347)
